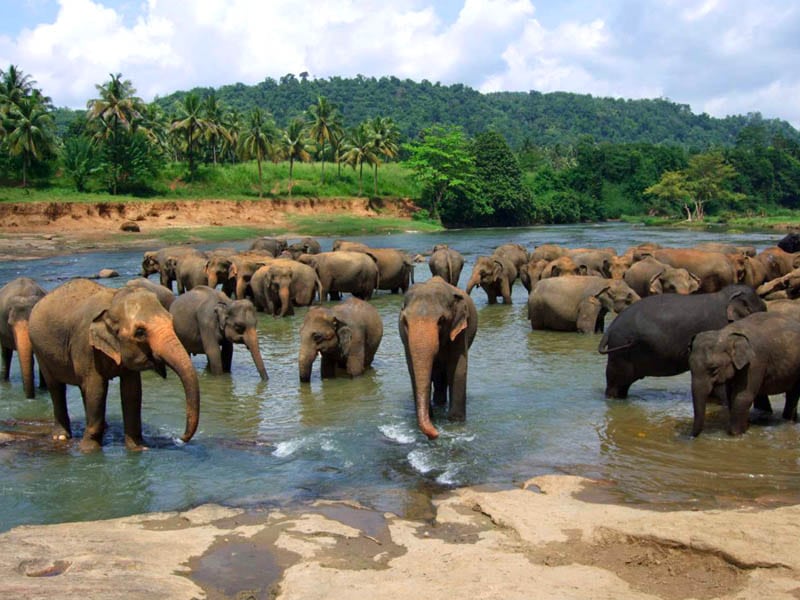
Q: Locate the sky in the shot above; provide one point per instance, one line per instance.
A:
(721, 57)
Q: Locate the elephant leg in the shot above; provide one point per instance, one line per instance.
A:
(457, 382)
(619, 377)
(130, 389)
(762, 403)
(213, 351)
(62, 430)
(740, 412)
(790, 408)
(94, 394)
(42, 381)
(439, 380)
(328, 366)
(227, 356)
(505, 291)
(7, 354)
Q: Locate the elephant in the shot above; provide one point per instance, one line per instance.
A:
(714, 269)
(190, 272)
(778, 262)
(165, 296)
(561, 267)
(343, 271)
(724, 248)
(495, 274)
(339, 245)
(287, 283)
(218, 268)
(164, 262)
(207, 322)
(17, 299)
(547, 252)
(577, 303)
(395, 267)
(652, 336)
(785, 287)
(242, 268)
(347, 336)
(750, 359)
(531, 273)
(594, 261)
(785, 307)
(790, 242)
(649, 277)
(755, 272)
(272, 245)
(307, 245)
(85, 334)
(437, 323)
(446, 263)
(516, 253)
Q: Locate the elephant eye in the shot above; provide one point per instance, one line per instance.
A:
(140, 332)
(239, 328)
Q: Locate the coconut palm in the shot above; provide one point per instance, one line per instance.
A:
(294, 146)
(358, 149)
(325, 124)
(215, 132)
(189, 125)
(385, 142)
(14, 85)
(258, 140)
(29, 129)
(233, 125)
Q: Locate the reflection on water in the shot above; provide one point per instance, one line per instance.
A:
(535, 405)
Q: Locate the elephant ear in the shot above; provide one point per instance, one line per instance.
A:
(497, 269)
(737, 307)
(654, 286)
(460, 317)
(221, 312)
(606, 268)
(583, 270)
(345, 335)
(103, 338)
(741, 351)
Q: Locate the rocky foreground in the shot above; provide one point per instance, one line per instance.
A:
(540, 541)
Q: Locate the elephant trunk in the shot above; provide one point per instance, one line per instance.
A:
(241, 287)
(167, 347)
(22, 341)
(286, 300)
(423, 345)
(213, 278)
(473, 281)
(700, 392)
(251, 341)
(308, 353)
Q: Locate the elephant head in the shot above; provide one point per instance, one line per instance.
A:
(135, 332)
(237, 321)
(217, 270)
(559, 267)
(742, 302)
(614, 296)
(436, 326)
(278, 283)
(150, 264)
(321, 333)
(673, 281)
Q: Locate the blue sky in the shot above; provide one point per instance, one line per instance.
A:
(718, 56)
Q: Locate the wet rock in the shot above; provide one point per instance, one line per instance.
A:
(130, 226)
(107, 274)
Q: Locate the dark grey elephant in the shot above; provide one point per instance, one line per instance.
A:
(344, 271)
(208, 322)
(446, 263)
(17, 299)
(307, 245)
(495, 274)
(750, 359)
(272, 245)
(577, 303)
(649, 277)
(85, 334)
(652, 336)
(345, 336)
(437, 325)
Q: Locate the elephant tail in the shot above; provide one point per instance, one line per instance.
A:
(318, 288)
(604, 349)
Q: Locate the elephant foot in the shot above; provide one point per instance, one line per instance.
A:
(135, 445)
(59, 434)
(89, 445)
(617, 393)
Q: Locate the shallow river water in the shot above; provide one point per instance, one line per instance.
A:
(535, 405)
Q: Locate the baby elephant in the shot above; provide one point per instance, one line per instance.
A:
(745, 362)
(208, 322)
(347, 336)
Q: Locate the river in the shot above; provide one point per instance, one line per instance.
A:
(535, 405)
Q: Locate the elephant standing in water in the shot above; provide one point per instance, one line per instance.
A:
(84, 334)
(446, 263)
(437, 325)
(17, 299)
(652, 336)
(208, 322)
(752, 358)
(347, 335)
(495, 274)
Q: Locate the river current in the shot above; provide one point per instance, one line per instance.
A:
(535, 405)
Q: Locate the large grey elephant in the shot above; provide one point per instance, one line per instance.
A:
(438, 323)
(649, 277)
(750, 359)
(577, 303)
(446, 263)
(165, 261)
(395, 267)
(344, 271)
(190, 272)
(17, 299)
(242, 268)
(652, 336)
(285, 284)
(84, 334)
(495, 274)
(208, 322)
(347, 336)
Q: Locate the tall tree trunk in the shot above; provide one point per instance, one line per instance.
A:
(260, 180)
(375, 180)
(322, 178)
(291, 168)
(361, 178)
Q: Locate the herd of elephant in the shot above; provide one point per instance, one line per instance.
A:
(727, 314)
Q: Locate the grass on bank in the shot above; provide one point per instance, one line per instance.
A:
(780, 219)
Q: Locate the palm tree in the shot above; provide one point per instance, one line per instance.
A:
(324, 124)
(385, 141)
(14, 85)
(113, 115)
(29, 132)
(153, 124)
(233, 125)
(215, 131)
(294, 146)
(359, 149)
(257, 141)
(189, 125)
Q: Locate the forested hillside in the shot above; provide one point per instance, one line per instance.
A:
(521, 117)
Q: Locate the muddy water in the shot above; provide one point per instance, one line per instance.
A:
(535, 405)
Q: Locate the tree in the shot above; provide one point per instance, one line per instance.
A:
(500, 180)
(325, 125)
(190, 125)
(359, 149)
(671, 190)
(294, 146)
(706, 178)
(443, 162)
(29, 132)
(385, 140)
(215, 132)
(257, 141)
(79, 160)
